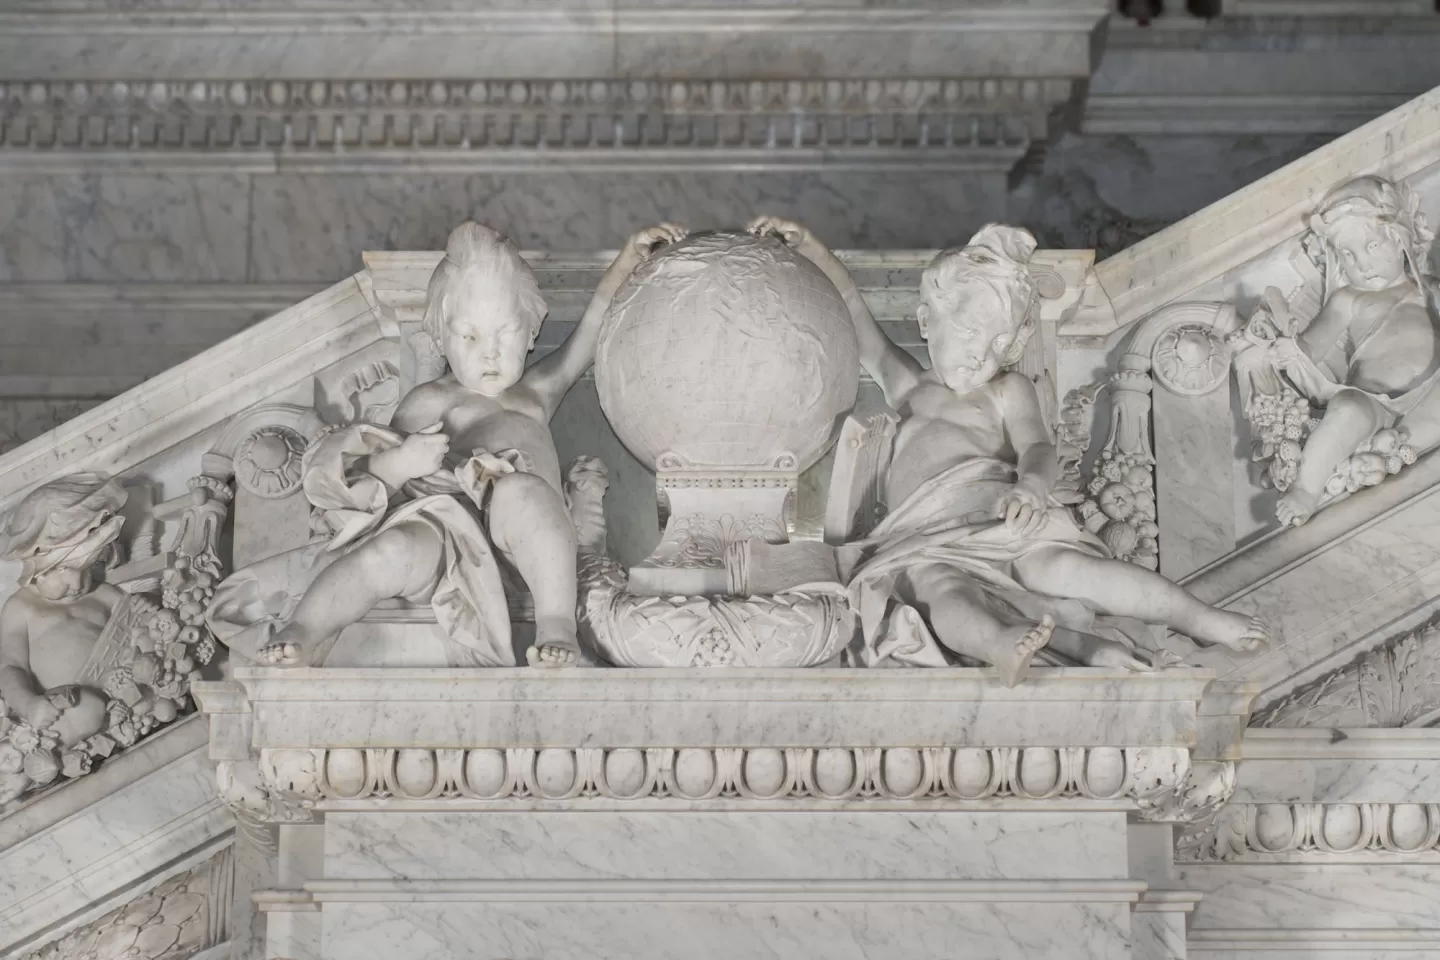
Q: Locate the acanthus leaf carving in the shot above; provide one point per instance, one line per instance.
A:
(1394, 685)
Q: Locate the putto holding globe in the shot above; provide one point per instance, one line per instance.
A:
(728, 363)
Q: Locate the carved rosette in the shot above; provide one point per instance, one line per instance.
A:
(267, 462)
(1160, 781)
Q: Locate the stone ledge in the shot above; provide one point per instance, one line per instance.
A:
(294, 743)
(431, 708)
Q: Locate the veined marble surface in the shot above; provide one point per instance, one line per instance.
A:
(110, 841)
(1350, 766)
(301, 708)
(680, 846)
(864, 924)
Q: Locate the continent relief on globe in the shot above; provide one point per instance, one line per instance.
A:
(727, 350)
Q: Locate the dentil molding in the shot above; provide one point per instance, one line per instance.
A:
(520, 124)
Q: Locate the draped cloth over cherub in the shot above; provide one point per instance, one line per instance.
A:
(950, 521)
(468, 593)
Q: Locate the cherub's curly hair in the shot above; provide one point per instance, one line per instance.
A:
(1010, 249)
(1388, 205)
(474, 249)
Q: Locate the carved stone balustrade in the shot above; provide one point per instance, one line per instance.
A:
(534, 810)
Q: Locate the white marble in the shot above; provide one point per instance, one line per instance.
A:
(661, 846)
(587, 38)
(1173, 263)
(150, 228)
(1364, 766)
(680, 708)
(313, 227)
(73, 869)
(1334, 897)
(1369, 565)
(845, 930)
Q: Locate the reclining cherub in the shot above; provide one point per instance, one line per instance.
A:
(973, 547)
(50, 626)
(468, 470)
(1371, 357)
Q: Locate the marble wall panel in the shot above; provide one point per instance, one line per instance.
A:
(1109, 192)
(927, 41)
(104, 227)
(693, 845)
(1315, 896)
(852, 929)
(315, 227)
(25, 418)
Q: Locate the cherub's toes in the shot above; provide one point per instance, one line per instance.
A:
(277, 653)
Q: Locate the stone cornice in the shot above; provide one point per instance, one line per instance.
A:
(1058, 16)
(571, 40)
(518, 125)
(1210, 114)
(292, 744)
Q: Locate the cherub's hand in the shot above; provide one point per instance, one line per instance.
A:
(42, 712)
(419, 455)
(1285, 351)
(646, 241)
(791, 233)
(1023, 509)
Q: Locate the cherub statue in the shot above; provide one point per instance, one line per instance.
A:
(1369, 358)
(50, 627)
(465, 486)
(974, 550)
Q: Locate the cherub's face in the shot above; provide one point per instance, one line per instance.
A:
(1371, 258)
(65, 582)
(969, 330)
(487, 337)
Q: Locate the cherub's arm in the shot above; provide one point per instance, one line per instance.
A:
(894, 369)
(552, 377)
(1037, 466)
(18, 687)
(1326, 332)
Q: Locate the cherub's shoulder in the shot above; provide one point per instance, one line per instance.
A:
(1012, 384)
(17, 607)
(1342, 299)
(423, 400)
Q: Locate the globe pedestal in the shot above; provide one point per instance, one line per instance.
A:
(709, 513)
(725, 362)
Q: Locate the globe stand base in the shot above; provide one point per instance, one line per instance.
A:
(710, 512)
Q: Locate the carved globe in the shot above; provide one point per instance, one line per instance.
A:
(727, 350)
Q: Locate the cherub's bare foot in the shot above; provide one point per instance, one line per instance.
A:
(1108, 653)
(1017, 646)
(1295, 507)
(555, 647)
(1238, 631)
(285, 649)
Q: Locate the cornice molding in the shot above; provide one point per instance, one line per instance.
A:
(1056, 17)
(1208, 114)
(616, 41)
(476, 125)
